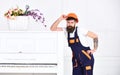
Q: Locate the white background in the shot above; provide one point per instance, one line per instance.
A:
(100, 16)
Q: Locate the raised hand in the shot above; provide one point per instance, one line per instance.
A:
(62, 17)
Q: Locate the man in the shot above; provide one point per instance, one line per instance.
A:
(82, 59)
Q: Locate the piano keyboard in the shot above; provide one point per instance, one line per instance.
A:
(29, 65)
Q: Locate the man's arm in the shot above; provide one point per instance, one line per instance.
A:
(54, 26)
(95, 41)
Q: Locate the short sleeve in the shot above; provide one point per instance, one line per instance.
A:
(83, 38)
(65, 32)
(64, 29)
(82, 31)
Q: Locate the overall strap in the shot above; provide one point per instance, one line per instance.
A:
(76, 34)
(74, 39)
(68, 35)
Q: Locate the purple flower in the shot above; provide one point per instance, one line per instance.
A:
(36, 14)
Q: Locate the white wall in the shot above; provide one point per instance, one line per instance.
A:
(101, 16)
(105, 20)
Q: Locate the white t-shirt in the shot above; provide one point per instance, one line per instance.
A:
(80, 31)
(82, 35)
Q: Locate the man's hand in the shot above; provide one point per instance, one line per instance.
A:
(91, 51)
(62, 17)
(95, 41)
(55, 27)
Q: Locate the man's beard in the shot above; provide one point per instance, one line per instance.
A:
(70, 29)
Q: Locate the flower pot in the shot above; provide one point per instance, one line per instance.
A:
(19, 23)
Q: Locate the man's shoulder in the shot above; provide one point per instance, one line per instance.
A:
(82, 30)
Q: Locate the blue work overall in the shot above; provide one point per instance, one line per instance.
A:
(82, 62)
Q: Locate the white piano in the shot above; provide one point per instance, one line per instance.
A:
(31, 52)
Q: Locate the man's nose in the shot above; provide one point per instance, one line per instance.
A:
(69, 25)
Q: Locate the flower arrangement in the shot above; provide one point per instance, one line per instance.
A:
(12, 13)
(36, 14)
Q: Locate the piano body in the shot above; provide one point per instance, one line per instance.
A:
(31, 52)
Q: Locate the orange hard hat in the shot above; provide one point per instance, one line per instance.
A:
(73, 15)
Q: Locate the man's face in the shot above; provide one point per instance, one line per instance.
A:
(70, 25)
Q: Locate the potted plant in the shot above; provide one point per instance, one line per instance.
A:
(18, 18)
